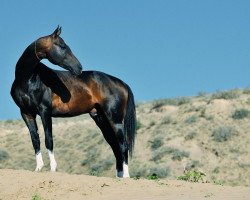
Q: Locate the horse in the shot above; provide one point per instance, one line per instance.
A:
(39, 90)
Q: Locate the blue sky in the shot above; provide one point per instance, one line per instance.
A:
(161, 48)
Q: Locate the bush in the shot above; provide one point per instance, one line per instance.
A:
(158, 104)
(138, 171)
(152, 177)
(248, 101)
(178, 154)
(173, 102)
(190, 135)
(159, 172)
(91, 156)
(191, 119)
(201, 94)
(223, 133)
(246, 91)
(3, 155)
(101, 166)
(231, 94)
(192, 176)
(160, 153)
(167, 120)
(193, 164)
(152, 123)
(36, 197)
(156, 143)
(241, 114)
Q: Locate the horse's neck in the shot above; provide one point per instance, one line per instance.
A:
(27, 63)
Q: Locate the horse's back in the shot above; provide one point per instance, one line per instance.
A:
(75, 95)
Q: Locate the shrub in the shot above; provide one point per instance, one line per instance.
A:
(193, 164)
(160, 153)
(192, 176)
(156, 143)
(203, 112)
(178, 154)
(231, 94)
(191, 119)
(223, 133)
(3, 155)
(167, 120)
(101, 166)
(240, 113)
(10, 121)
(246, 90)
(248, 101)
(190, 135)
(158, 104)
(201, 94)
(152, 123)
(152, 177)
(138, 171)
(183, 100)
(36, 197)
(91, 156)
(158, 172)
(173, 102)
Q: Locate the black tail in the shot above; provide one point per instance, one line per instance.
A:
(130, 121)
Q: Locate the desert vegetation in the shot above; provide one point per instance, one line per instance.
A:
(202, 138)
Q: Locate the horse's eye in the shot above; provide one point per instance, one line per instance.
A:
(63, 46)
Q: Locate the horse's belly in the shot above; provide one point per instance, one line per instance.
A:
(74, 107)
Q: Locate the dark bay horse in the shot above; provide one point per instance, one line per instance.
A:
(39, 90)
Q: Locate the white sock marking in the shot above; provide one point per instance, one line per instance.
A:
(39, 162)
(53, 163)
(124, 173)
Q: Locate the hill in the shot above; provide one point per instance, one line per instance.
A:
(208, 133)
(20, 184)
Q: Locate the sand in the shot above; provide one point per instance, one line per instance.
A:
(20, 184)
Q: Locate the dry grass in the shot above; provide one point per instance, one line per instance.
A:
(209, 133)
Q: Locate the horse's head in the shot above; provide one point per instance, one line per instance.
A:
(57, 52)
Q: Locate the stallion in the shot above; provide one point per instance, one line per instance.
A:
(39, 90)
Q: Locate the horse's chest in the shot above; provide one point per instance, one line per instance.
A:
(26, 99)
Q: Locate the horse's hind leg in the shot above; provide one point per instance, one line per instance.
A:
(119, 131)
(32, 126)
(114, 135)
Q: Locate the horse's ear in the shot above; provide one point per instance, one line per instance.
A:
(57, 32)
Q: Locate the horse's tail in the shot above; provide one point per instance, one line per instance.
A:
(130, 121)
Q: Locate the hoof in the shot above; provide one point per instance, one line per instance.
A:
(124, 173)
(39, 168)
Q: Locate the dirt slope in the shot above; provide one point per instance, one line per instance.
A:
(20, 184)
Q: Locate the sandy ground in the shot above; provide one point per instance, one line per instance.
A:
(16, 184)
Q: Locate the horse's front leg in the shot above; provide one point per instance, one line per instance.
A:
(30, 121)
(47, 125)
